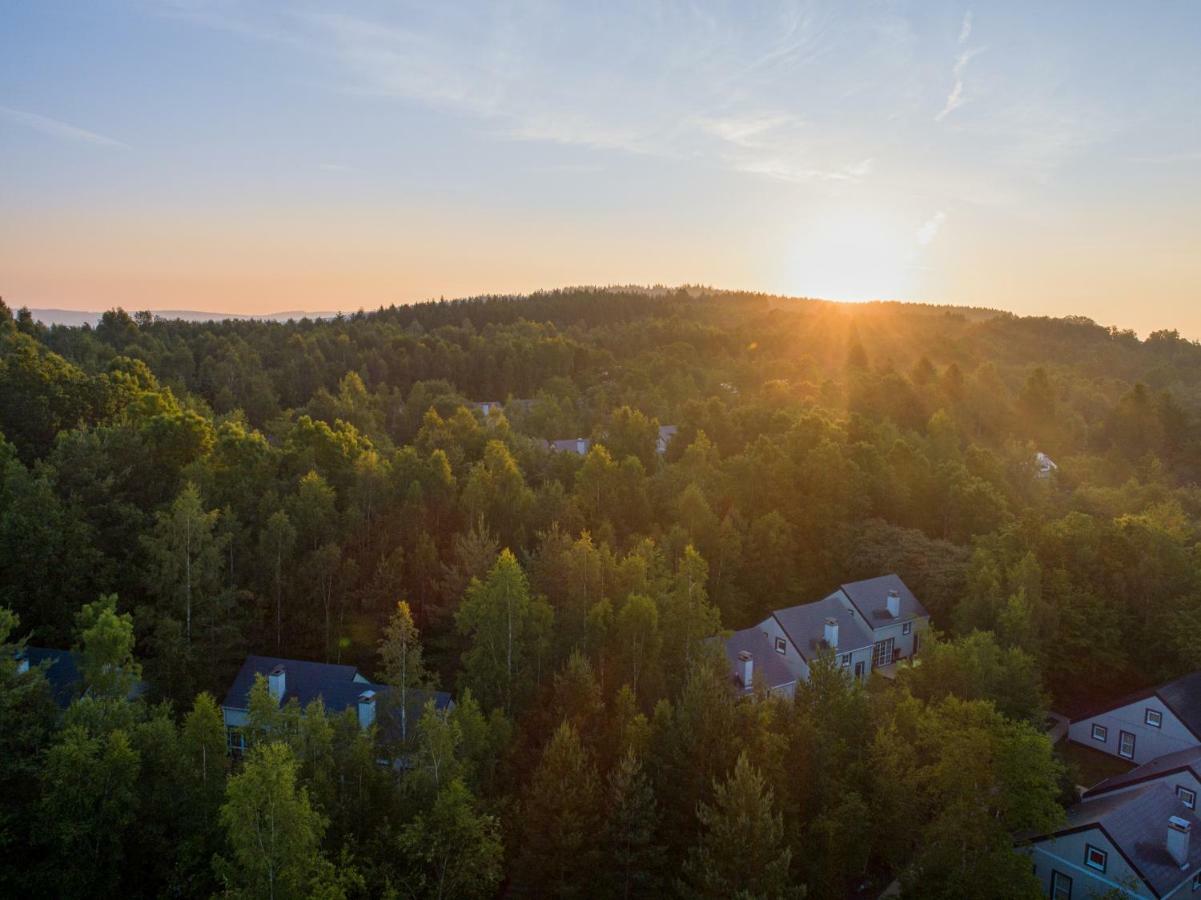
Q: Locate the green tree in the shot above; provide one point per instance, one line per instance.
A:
(273, 830)
(561, 815)
(106, 649)
(633, 859)
(400, 653)
(742, 851)
(453, 850)
(507, 629)
(89, 798)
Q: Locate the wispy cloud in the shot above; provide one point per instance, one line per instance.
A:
(58, 129)
(334, 167)
(930, 228)
(955, 97)
(672, 81)
(965, 30)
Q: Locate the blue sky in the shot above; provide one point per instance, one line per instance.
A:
(251, 156)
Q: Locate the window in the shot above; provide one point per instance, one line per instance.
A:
(781, 646)
(1100, 733)
(1187, 797)
(845, 661)
(1153, 717)
(907, 628)
(1126, 744)
(1061, 886)
(1094, 858)
(882, 652)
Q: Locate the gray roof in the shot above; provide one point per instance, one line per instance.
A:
(1159, 767)
(62, 672)
(1136, 822)
(1183, 697)
(339, 687)
(768, 664)
(805, 627)
(870, 597)
(570, 445)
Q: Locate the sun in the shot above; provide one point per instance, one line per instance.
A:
(854, 256)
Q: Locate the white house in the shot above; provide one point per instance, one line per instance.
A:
(1147, 725)
(1135, 842)
(1180, 771)
(865, 624)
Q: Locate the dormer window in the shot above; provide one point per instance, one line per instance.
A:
(1154, 718)
(781, 645)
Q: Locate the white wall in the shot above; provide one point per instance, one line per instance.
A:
(1066, 854)
(1149, 742)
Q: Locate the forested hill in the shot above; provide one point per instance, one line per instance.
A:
(277, 487)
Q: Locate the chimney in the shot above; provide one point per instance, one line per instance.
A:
(277, 683)
(894, 604)
(746, 667)
(831, 632)
(366, 709)
(1178, 832)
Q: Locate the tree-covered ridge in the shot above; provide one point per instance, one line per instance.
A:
(277, 488)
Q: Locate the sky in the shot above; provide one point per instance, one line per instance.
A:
(252, 156)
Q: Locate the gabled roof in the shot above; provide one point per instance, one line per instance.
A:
(570, 445)
(870, 598)
(805, 626)
(1136, 823)
(62, 672)
(1182, 696)
(768, 664)
(1169, 764)
(338, 686)
(64, 676)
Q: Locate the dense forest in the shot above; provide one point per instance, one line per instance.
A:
(174, 496)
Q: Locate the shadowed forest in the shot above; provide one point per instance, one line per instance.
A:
(175, 496)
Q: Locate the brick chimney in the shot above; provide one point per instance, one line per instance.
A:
(1178, 840)
(894, 604)
(277, 683)
(746, 668)
(366, 709)
(831, 632)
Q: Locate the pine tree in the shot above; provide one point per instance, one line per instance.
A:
(634, 859)
(742, 851)
(561, 814)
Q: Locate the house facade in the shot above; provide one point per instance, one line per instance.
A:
(866, 625)
(1138, 842)
(1145, 726)
(338, 687)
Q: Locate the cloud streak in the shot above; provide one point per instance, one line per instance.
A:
(930, 228)
(955, 97)
(58, 129)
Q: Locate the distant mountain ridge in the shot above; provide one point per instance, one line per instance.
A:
(77, 317)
